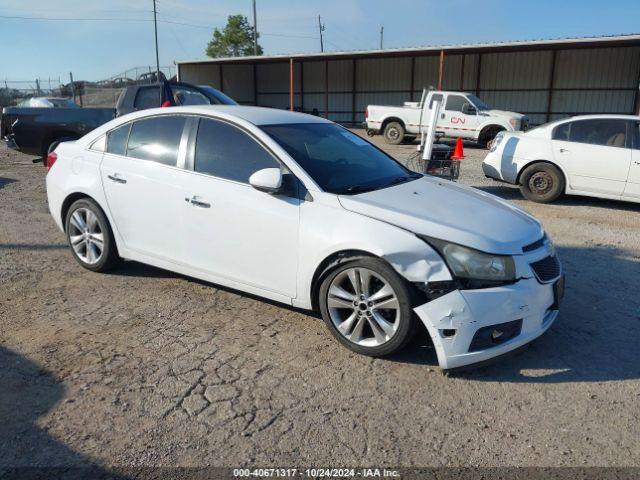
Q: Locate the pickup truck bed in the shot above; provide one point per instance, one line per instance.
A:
(33, 130)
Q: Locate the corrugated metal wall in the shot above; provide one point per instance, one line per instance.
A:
(545, 84)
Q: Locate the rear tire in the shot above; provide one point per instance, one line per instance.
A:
(394, 133)
(542, 183)
(367, 306)
(90, 236)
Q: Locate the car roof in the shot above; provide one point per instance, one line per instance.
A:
(255, 115)
(595, 116)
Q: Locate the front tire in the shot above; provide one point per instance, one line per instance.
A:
(367, 306)
(394, 133)
(90, 236)
(542, 183)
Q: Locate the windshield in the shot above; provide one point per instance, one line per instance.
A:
(480, 105)
(218, 95)
(339, 161)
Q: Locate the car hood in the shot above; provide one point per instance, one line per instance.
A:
(503, 113)
(451, 212)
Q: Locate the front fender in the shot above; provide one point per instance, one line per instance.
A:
(326, 228)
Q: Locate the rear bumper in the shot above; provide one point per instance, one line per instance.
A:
(455, 320)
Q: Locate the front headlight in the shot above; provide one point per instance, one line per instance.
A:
(467, 263)
(496, 141)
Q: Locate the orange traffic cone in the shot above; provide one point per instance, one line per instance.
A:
(458, 152)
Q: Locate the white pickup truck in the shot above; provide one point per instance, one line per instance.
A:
(462, 115)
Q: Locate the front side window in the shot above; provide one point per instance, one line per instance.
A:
(156, 139)
(117, 140)
(225, 151)
(147, 97)
(339, 161)
(455, 103)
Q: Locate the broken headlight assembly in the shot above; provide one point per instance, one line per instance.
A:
(472, 268)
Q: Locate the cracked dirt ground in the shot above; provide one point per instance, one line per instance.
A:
(142, 367)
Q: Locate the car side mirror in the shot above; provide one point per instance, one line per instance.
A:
(468, 109)
(267, 180)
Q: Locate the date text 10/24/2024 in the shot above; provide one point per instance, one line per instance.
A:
(317, 472)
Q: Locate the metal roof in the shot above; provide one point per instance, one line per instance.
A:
(599, 41)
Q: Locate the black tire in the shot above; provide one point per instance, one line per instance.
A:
(487, 136)
(542, 183)
(394, 133)
(406, 327)
(109, 257)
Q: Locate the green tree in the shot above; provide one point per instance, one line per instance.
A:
(235, 40)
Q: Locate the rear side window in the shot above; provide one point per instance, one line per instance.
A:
(147, 97)
(455, 103)
(156, 139)
(607, 132)
(561, 132)
(225, 151)
(117, 140)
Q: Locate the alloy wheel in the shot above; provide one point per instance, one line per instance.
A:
(363, 307)
(86, 236)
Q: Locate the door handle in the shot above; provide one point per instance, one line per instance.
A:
(116, 178)
(442, 115)
(197, 202)
(564, 150)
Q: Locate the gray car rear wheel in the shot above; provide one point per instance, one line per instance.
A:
(90, 236)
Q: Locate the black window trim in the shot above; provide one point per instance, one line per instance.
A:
(191, 149)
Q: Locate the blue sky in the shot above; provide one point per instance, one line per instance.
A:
(96, 49)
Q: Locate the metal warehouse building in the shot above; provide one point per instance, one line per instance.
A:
(543, 79)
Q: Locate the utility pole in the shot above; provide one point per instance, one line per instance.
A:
(321, 29)
(255, 30)
(381, 36)
(155, 29)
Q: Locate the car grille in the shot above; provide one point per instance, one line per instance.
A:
(547, 269)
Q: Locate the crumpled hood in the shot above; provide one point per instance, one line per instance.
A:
(450, 211)
(504, 113)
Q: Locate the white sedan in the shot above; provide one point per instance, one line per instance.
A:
(297, 209)
(592, 155)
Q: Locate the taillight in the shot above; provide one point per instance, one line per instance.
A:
(366, 113)
(51, 159)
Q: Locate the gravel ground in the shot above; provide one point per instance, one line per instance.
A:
(143, 367)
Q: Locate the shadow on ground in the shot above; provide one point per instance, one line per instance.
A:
(27, 451)
(511, 192)
(6, 181)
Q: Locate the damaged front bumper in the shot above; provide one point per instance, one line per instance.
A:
(471, 326)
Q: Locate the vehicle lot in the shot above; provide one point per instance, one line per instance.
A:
(145, 367)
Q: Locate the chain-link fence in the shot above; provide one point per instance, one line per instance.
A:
(103, 93)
